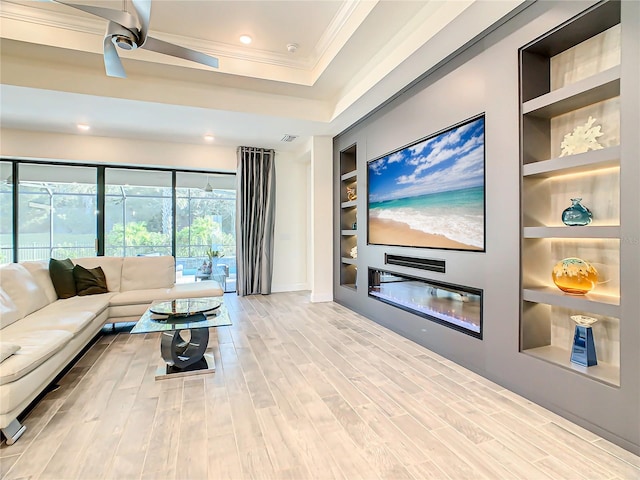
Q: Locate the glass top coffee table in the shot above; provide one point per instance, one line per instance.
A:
(184, 324)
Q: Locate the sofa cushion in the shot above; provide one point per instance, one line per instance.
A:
(8, 310)
(7, 349)
(183, 290)
(40, 271)
(22, 288)
(35, 348)
(89, 281)
(139, 297)
(61, 273)
(147, 273)
(111, 266)
(71, 314)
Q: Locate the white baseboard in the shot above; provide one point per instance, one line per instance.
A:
(321, 297)
(290, 287)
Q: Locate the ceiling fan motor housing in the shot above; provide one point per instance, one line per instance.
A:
(124, 42)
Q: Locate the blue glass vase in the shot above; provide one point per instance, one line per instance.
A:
(577, 214)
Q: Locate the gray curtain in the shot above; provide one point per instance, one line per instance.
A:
(255, 220)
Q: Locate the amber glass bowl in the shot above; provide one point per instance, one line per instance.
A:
(574, 276)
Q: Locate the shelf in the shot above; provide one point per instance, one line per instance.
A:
(350, 261)
(349, 286)
(596, 88)
(349, 204)
(602, 372)
(349, 175)
(572, 232)
(592, 302)
(581, 162)
(348, 233)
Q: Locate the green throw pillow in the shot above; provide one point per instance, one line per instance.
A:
(89, 281)
(61, 272)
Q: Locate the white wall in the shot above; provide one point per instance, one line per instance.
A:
(291, 241)
(292, 182)
(92, 149)
(322, 218)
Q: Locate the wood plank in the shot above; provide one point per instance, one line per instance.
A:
(434, 450)
(579, 461)
(472, 455)
(395, 440)
(372, 447)
(162, 454)
(193, 460)
(603, 458)
(222, 457)
(518, 466)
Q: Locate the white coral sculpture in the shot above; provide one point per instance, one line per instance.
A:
(354, 252)
(582, 139)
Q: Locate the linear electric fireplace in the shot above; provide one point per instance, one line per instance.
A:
(455, 306)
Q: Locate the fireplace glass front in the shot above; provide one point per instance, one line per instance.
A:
(458, 307)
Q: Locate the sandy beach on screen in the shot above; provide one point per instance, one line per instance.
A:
(388, 232)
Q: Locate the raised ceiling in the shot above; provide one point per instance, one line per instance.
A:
(351, 56)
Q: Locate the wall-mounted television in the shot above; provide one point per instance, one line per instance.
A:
(431, 193)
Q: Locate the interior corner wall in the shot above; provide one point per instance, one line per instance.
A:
(290, 234)
(482, 79)
(321, 219)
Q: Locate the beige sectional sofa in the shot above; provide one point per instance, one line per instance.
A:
(45, 333)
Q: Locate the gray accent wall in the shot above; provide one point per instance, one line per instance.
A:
(484, 79)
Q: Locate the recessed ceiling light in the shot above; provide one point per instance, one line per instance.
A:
(83, 126)
(246, 39)
(209, 138)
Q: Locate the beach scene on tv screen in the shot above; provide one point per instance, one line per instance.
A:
(431, 194)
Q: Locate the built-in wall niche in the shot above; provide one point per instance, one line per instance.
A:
(541, 254)
(545, 198)
(455, 306)
(548, 331)
(562, 89)
(571, 148)
(348, 194)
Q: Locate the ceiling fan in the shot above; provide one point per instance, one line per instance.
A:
(123, 31)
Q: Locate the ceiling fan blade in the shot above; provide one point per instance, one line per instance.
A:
(112, 64)
(143, 10)
(167, 48)
(125, 19)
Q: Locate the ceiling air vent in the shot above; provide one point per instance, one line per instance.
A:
(289, 138)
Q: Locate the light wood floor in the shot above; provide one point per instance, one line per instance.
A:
(302, 391)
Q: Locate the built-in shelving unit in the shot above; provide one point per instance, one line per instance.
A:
(567, 76)
(348, 216)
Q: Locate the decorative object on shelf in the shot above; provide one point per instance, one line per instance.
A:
(354, 226)
(582, 139)
(574, 276)
(354, 252)
(351, 194)
(583, 351)
(577, 214)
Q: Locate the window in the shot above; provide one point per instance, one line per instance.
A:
(205, 219)
(6, 212)
(138, 212)
(56, 211)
